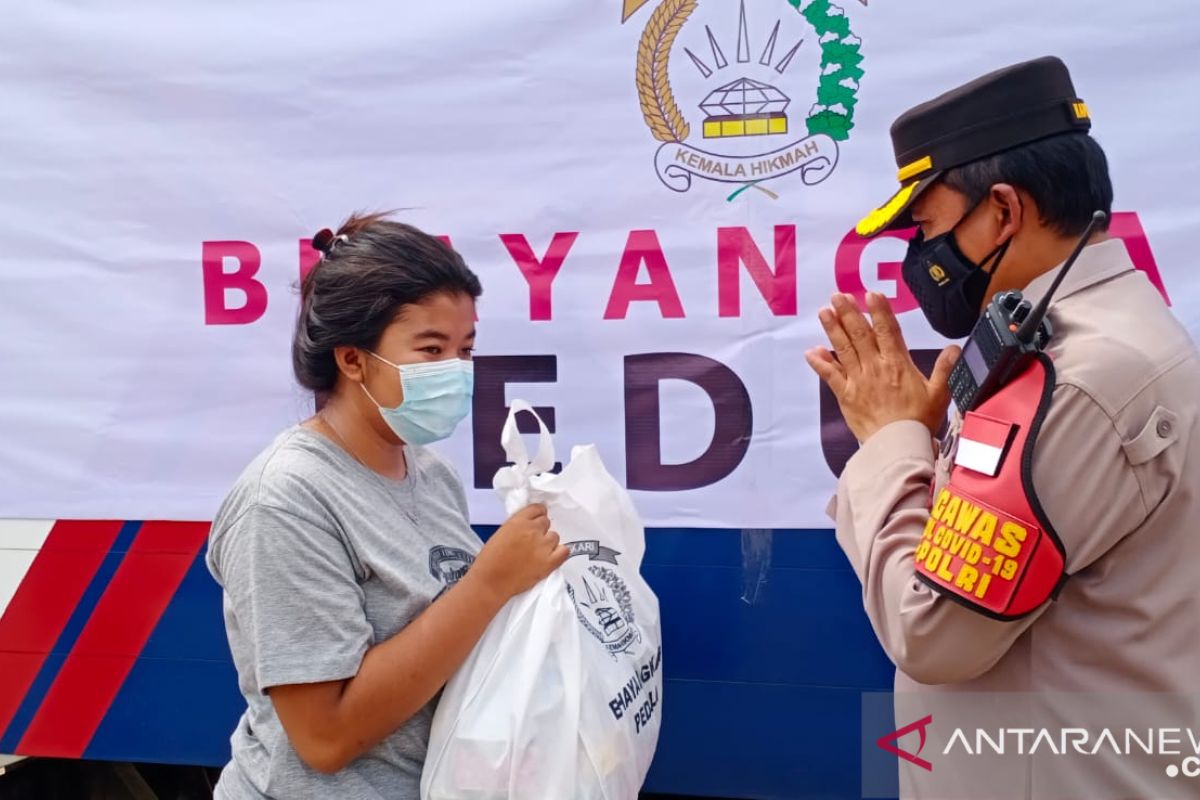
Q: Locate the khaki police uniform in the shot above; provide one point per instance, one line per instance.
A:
(1117, 471)
(1035, 575)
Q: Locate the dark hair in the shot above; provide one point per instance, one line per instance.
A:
(1066, 175)
(369, 271)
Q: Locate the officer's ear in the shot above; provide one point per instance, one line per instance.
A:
(1008, 210)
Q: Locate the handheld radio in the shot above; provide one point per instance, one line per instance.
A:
(1007, 336)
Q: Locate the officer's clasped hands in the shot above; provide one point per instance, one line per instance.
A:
(873, 376)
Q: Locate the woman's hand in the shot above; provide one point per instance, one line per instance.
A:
(332, 723)
(522, 552)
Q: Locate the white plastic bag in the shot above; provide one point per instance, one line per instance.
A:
(562, 697)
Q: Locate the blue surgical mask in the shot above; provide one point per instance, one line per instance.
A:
(437, 396)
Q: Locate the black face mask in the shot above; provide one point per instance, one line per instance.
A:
(949, 287)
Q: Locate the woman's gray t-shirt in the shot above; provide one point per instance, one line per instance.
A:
(320, 558)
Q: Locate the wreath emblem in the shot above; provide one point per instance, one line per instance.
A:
(605, 609)
(747, 107)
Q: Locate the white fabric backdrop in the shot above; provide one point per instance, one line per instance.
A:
(135, 133)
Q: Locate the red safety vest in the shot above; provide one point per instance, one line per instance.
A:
(988, 544)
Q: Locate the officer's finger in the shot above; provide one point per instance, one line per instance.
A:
(827, 368)
(856, 326)
(940, 377)
(887, 330)
(838, 338)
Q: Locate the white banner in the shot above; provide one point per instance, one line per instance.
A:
(657, 206)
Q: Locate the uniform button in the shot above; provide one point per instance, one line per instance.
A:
(1163, 428)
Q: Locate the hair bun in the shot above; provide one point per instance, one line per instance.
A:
(323, 240)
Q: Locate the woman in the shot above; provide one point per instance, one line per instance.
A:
(343, 548)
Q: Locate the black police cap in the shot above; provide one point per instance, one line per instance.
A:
(997, 112)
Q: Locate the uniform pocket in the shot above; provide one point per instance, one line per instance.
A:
(1160, 432)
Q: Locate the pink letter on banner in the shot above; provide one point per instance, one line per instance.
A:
(735, 246)
(848, 270)
(217, 281)
(642, 247)
(539, 273)
(1128, 228)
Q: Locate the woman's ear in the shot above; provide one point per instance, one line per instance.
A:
(1009, 211)
(351, 362)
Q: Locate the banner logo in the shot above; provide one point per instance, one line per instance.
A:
(751, 131)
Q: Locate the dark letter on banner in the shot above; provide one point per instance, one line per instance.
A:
(490, 411)
(837, 442)
(643, 447)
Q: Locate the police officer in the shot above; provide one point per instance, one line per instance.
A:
(1094, 455)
